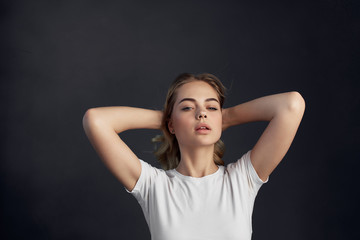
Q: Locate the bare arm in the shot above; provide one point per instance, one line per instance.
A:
(102, 126)
(284, 111)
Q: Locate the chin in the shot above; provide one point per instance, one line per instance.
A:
(204, 142)
(199, 141)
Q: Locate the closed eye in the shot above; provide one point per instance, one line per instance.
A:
(186, 108)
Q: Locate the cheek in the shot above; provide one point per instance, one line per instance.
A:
(218, 123)
(180, 121)
(217, 119)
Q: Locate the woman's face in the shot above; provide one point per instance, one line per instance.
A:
(196, 117)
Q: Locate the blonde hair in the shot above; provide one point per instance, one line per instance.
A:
(168, 153)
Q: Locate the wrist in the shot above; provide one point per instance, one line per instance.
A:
(226, 119)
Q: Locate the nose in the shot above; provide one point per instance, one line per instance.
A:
(201, 114)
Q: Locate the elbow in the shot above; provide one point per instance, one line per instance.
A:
(296, 102)
(89, 118)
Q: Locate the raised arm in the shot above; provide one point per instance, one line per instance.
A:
(102, 126)
(284, 111)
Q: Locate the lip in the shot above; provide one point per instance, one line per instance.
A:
(201, 125)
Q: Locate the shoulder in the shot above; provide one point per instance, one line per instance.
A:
(148, 170)
(241, 163)
(243, 169)
(148, 176)
(150, 167)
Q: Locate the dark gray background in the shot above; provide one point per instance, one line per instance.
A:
(59, 58)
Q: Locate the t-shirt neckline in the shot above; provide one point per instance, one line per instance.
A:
(197, 178)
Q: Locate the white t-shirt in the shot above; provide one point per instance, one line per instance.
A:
(217, 206)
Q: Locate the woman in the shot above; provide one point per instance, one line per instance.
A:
(196, 197)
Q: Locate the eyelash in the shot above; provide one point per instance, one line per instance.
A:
(189, 108)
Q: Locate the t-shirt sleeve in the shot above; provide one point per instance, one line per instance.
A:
(144, 184)
(245, 172)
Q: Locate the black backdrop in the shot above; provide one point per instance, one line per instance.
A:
(59, 58)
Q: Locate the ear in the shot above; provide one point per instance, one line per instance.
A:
(170, 126)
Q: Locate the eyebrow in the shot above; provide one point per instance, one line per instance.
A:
(193, 100)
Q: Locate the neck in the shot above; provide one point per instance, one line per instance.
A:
(197, 162)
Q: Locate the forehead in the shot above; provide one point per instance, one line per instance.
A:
(198, 90)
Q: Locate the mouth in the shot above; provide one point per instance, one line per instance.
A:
(202, 127)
